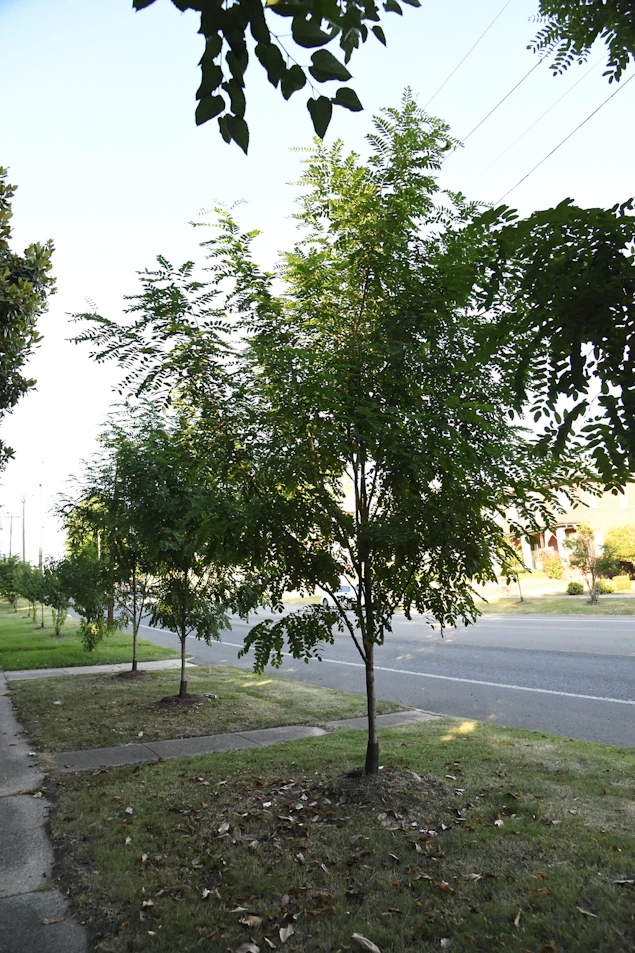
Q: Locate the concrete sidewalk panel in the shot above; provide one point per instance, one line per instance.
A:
(392, 720)
(103, 757)
(25, 675)
(18, 771)
(273, 736)
(26, 856)
(23, 930)
(206, 744)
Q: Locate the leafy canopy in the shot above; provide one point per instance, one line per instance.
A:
(352, 401)
(570, 28)
(25, 284)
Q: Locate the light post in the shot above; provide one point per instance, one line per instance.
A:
(24, 529)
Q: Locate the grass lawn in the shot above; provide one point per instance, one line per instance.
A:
(24, 645)
(104, 710)
(560, 605)
(503, 841)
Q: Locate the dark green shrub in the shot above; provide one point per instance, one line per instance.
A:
(575, 589)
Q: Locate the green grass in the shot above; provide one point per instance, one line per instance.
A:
(560, 605)
(531, 834)
(23, 645)
(104, 710)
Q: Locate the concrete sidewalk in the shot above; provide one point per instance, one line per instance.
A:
(33, 914)
(28, 673)
(95, 758)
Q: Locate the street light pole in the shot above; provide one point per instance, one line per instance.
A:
(39, 562)
(24, 529)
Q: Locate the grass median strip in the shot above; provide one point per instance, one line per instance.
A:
(104, 710)
(482, 837)
(24, 645)
(560, 605)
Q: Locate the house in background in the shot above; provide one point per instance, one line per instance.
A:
(601, 513)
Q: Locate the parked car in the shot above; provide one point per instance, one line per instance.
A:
(345, 591)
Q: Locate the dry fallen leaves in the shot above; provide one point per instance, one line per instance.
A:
(286, 932)
(251, 921)
(541, 892)
(517, 919)
(365, 944)
(587, 913)
(47, 920)
(248, 948)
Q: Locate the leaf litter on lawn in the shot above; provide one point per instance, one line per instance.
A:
(315, 856)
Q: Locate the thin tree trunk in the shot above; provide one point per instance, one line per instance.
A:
(111, 612)
(42, 614)
(372, 750)
(183, 685)
(520, 592)
(135, 623)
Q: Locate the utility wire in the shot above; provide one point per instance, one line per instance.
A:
(471, 50)
(506, 96)
(566, 139)
(541, 117)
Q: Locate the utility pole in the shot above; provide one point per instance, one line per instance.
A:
(40, 552)
(24, 529)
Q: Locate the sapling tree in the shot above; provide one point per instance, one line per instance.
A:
(362, 417)
(9, 569)
(87, 581)
(54, 592)
(590, 558)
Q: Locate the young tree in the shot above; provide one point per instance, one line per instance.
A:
(175, 517)
(368, 371)
(9, 568)
(589, 558)
(621, 540)
(54, 593)
(513, 565)
(86, 580)
(29, 582)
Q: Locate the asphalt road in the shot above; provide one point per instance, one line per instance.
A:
(567, 675)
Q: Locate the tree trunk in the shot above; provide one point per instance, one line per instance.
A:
(111, 612)
(183, 685)
(372, 750)
(135, 623)
(520, 592)
(42, 615)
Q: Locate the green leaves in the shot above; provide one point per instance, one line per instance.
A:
(208, 108)
(314, 24)
(321, 110)
(326, 67)
(25, 285)
(347, 97)
(307, 33)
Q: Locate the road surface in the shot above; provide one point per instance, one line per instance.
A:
(567, 675)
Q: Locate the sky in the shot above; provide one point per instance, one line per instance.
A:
(97, 129)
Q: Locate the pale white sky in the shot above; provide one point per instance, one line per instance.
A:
(97, 128)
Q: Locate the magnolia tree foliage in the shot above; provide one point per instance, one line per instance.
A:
(25, 284)
(352, 401)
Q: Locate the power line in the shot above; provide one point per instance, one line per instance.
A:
(471, 50)
(566, 139)
(506, 96)
(541, 117)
